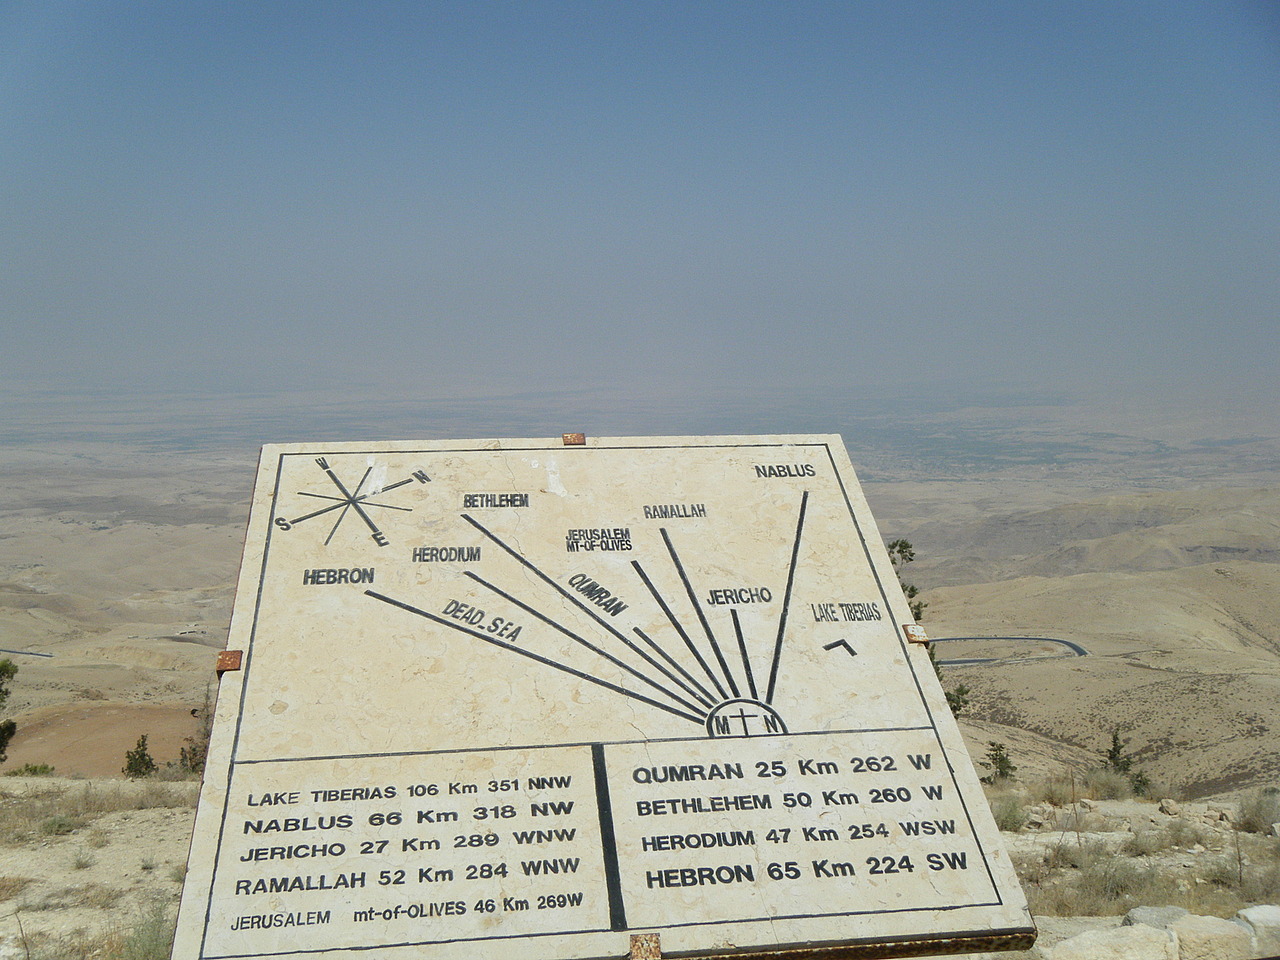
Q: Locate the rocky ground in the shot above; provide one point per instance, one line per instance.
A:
(83, 863)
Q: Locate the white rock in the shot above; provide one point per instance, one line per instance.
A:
(1263, 924)
(1211, 938)
(1138, 942)
(1169, 807)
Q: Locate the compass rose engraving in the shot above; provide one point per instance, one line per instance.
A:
(352, 501)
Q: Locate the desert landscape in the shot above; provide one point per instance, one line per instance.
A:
(1150, 538)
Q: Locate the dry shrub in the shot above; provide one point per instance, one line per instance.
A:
(150, 937)
(1146, 843)
(59, 825)
(61, 810)
(1059, 790)
(94, 895)
(21, 814)
(77, 946)
(1262, 885)
(1176, 833)
(1103, 784)
(91, 800)
(1031, 867)
(1084, 878)
(1114, 880)
(10, 887)
(1079, 854)
(1103, 884)
(1161, 789)
(1259, 811)
(1009, 812)
(1184, 833)
(1076, 820)
(1250, 884)
(98, 896)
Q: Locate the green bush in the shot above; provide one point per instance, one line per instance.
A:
(192, 757)
(138, 762)
(8, 670)
(59, 825)
(998, 762)
(31, 770)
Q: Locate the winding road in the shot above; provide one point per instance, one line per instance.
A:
(1075, 648)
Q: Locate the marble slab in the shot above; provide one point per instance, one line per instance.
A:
(522, 699)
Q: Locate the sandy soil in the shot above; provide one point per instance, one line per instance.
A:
(121, 850)
(91, 739)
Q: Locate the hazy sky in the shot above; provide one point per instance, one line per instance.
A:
(476, 198)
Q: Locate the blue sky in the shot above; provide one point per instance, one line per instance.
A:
(466, 199)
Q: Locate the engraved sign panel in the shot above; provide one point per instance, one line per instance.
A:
(520, 699)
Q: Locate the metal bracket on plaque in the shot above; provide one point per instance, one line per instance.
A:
(646, 946)
(915, 633)
(228, 660)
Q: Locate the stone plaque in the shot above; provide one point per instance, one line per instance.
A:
(523, 699)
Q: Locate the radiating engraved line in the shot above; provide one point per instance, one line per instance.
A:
(355, 503)
(742, 647)
(453, 625)
(586, 643)
(345, 507)
(786, 600)
(697, 608)
(339, 502)
(688, 641)
(350, 500)
(630, 645)
(706, 695)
